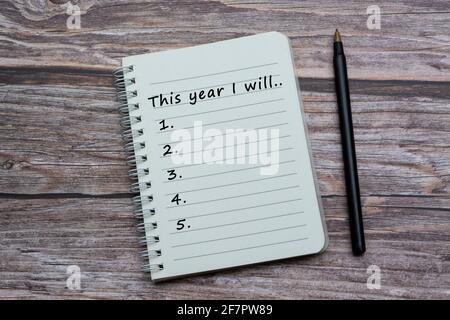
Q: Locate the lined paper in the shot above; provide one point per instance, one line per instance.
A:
(226, 215)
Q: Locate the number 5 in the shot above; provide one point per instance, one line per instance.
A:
(180, 224)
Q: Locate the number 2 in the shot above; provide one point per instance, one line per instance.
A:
(167, 150)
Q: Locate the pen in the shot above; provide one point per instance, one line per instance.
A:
(348, 147)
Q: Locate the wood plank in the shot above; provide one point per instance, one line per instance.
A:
(79, 148)
(409, 244)
(412, 44)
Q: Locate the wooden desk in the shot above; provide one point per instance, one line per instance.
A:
(64, 196)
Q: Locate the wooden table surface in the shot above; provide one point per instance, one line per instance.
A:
(64, 190)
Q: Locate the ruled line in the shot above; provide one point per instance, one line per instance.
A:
(231, 184)
(216, 98)
(231, 146)
(212, 162)
(226, 121)
(238, 236)
(216, 85)
(240, 222)
(217, 135)
(217, 73)
(217, 110)
(234, 210)
(224, 172)
(241, 249)
(233, 197)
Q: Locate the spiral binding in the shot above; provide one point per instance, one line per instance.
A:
(123, 80)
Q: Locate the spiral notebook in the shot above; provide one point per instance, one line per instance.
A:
(219, 152)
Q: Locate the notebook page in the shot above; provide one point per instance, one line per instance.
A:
(221, 200)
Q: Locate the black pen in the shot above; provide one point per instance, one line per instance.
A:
(348, 147)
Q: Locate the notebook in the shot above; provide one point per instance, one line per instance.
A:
(222, 168)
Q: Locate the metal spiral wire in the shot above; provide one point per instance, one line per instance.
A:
(129, 136)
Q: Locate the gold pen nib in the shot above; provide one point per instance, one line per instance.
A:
(337, 36)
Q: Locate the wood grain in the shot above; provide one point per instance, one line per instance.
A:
(63, 180)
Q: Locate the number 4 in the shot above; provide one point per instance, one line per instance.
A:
(177, 199)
